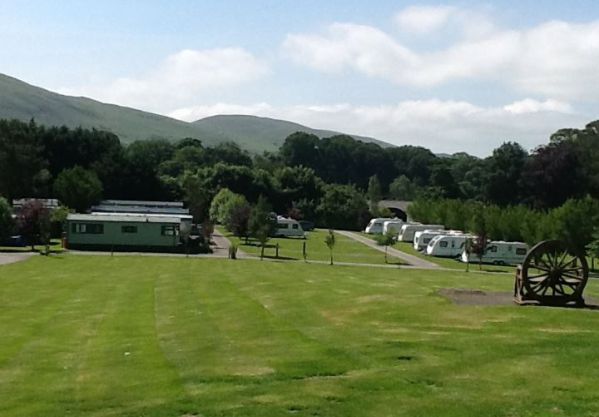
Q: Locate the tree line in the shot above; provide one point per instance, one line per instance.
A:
(576, 221)
(330, 180)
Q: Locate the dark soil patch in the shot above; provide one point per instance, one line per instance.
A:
(464, 296)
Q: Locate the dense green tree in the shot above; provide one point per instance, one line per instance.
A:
(330, 241)
(261, 224)
(343, 207)
(553, 174)
(504, 171)
(78, 188)
(386, 240)
(6, 221)
(402, 188)
(33, 223)
(21, 159)
(374, 193)
(143, 160)
(220, 204)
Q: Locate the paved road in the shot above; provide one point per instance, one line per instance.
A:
(412, 260)
(9, 258)
(220, 249)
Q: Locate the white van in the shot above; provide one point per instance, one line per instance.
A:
(422, 237)
(375, 226)
(406, 234)
(288, 228)
(447, 246)
(392, 226)
(500, 253)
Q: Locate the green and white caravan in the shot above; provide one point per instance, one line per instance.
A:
(115, 231)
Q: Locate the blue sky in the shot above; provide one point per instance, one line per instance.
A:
(450, 76)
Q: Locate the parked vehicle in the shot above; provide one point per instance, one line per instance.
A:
(499, 253)
(307, 225)
(406, 234)
(447, 246)
(288, 228)
(393, 226)
(422, 237)
(375, 226)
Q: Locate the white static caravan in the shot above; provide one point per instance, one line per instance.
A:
(288, 228)
(393, 226)
(447, 245)
(406, 234)
(500, 253)
(375, 226)
(422, 237)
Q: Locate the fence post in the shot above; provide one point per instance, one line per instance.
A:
(304, 253)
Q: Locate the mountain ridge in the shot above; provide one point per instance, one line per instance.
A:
(23, 101)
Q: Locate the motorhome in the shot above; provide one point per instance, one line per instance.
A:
(375, 226)
(422, 237)
(406, 234)
(288, 228)
(447, 245)
(499, 253)
(392, 226)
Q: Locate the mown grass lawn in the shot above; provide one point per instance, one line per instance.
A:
(345, 250)
(148, 336)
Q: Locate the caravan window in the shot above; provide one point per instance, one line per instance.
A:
(282, 225)
(443, 244)
(493, 249)
(87, 228)
(520, 251)
(169, 230)
(128, 229)
(294, 226)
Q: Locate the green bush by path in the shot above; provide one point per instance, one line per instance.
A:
(131, 336)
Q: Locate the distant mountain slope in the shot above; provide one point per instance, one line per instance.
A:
(270, 133)
(23, 101)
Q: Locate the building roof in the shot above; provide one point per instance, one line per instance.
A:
(178, 216)
(110, 208)
(46, 202)
(122, 218)
(142, 203)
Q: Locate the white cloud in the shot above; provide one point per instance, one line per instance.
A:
(180, 78)
(530, 105)
(556, 59)
(424, 19)
(443, 126)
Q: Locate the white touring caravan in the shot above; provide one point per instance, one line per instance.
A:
(447, 246)
(406, 234)
(288, 228)
(500, 253)
(393, 226)
(375, 227)
(422, 237)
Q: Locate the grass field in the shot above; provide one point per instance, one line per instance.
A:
(346, 249)
(147, 336)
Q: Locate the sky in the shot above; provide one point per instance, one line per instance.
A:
(450, 76)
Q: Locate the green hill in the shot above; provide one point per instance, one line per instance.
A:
(269, 133)
(19, 100)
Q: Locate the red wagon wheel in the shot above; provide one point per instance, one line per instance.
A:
(552, 273)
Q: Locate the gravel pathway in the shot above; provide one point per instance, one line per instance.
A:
(9, 258)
